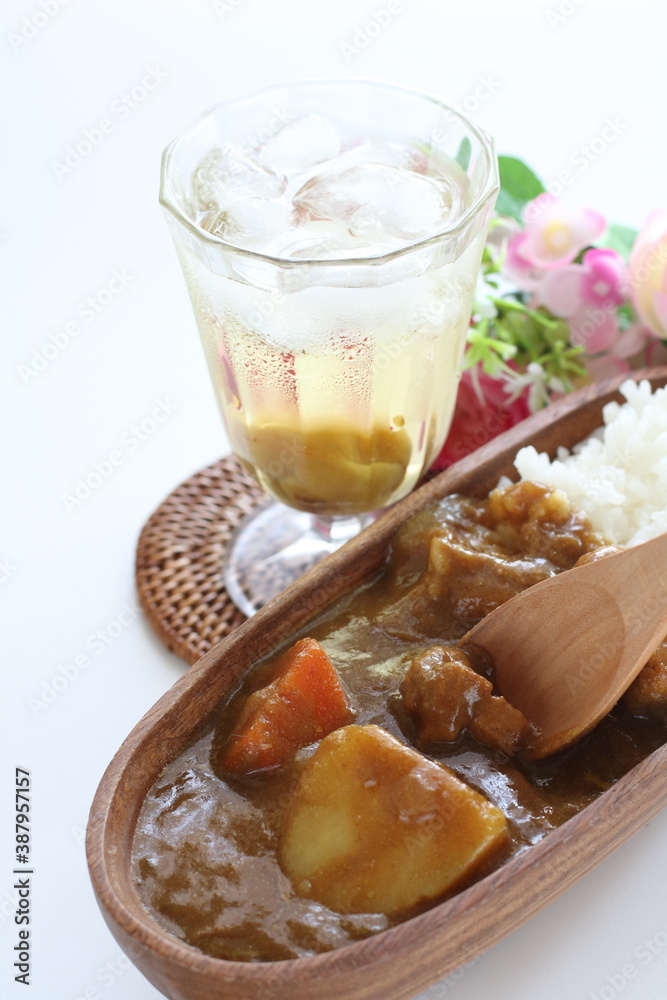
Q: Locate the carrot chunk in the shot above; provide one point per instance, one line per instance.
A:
(304, 702)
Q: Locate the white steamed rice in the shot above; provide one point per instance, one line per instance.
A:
(618, 475)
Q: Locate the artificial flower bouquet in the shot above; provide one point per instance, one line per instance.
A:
(563, 298)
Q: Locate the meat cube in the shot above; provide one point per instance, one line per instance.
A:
(539, 521)
(458, 588)
(445, 695)
(475, 583)
(647, 695)
(496, 723)
(376, 827)
(439, 691)
(459, 559)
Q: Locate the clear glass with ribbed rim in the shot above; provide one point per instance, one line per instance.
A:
(330, 234)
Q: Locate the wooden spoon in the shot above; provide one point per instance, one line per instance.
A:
(566, 649)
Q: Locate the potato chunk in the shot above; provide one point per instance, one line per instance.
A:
(376, 827)
(444, 695)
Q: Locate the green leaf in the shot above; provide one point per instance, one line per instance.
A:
(518, 185)
(626, 315)
(486, 350)
(619, 238)
(463, 154)
(518, 179)
(563, 363)
(509, 206)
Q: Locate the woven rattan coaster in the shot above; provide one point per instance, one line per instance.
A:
(180, 554)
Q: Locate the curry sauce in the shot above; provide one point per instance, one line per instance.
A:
(207, 847)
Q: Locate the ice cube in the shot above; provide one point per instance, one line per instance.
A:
(321, 240)
(394, 154)
(364, 221)
(378, 201)
(250, 222)
(302, 144)
(227, 174)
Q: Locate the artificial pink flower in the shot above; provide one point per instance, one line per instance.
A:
(483, 410)
(595, 330)
(600, 281)
(606, 366)
(648, 273)
(606, 346)
(631, 341)
(556, 234)
(604, 278)
(655, 353)
(517, 268)
(561, 292)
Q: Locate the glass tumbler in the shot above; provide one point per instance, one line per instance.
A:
(335, 368)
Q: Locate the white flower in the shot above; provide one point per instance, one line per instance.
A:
(537, 382)
(483, 307)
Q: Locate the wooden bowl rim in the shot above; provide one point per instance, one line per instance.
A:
(384, 945)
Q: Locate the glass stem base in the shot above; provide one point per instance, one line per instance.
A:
(275, 545)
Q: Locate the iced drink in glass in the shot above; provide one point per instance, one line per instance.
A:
(331, 237)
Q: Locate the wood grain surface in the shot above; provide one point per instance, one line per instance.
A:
(405, 959)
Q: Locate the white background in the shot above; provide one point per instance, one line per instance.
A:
(67, 573)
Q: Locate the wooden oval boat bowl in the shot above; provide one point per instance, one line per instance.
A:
(401, 961)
